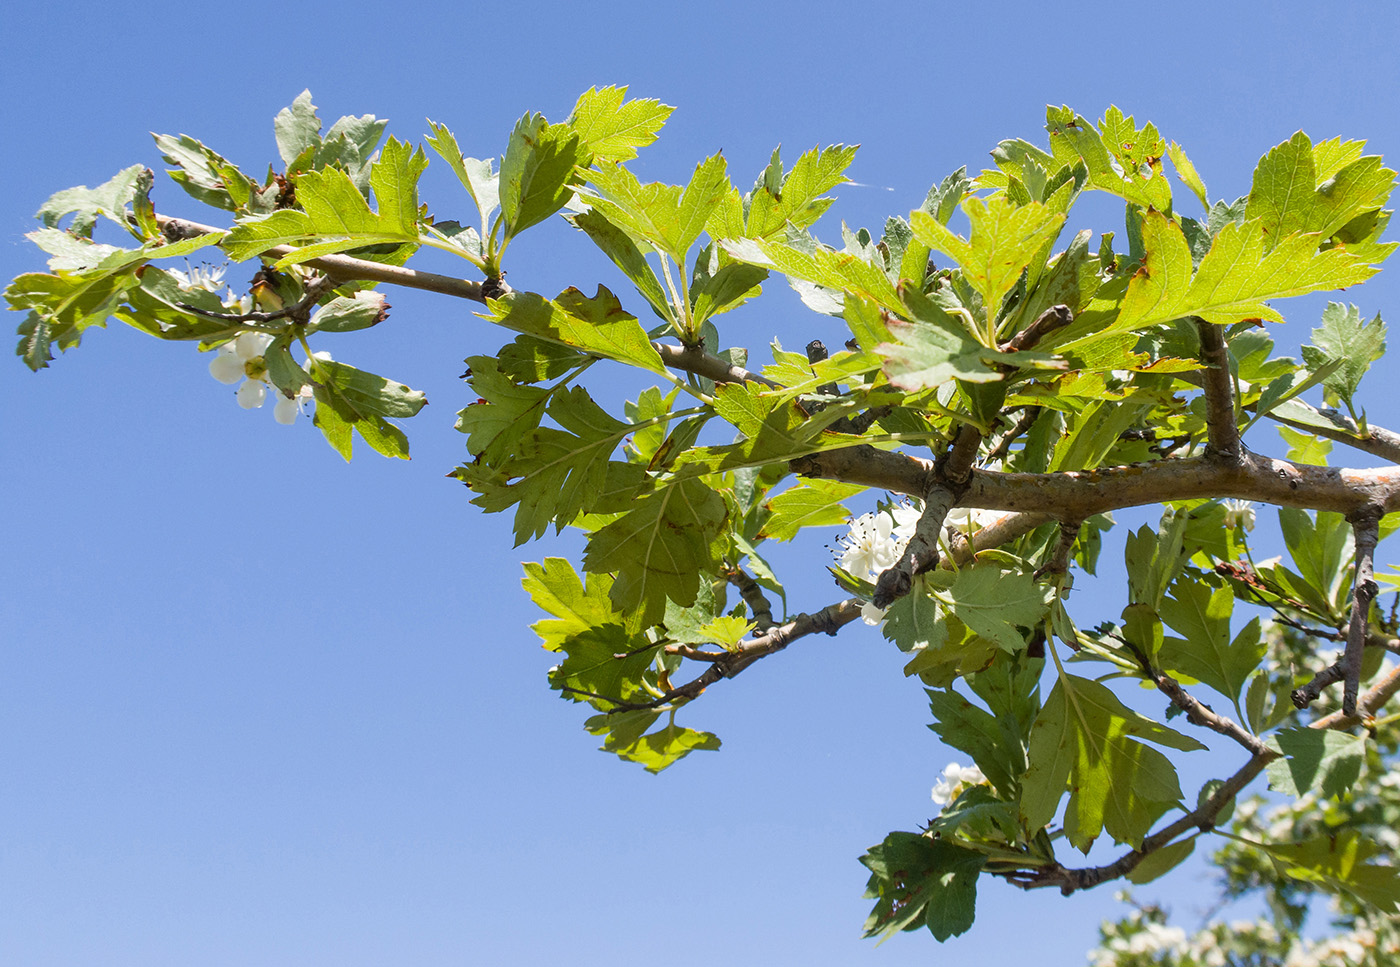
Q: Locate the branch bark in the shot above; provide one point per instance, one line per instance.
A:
(1083, 493)
(950, 475)
(1222, 431)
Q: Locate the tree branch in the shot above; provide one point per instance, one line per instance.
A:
(1366, 526)
(829, 620)
(1083, 493)
(1377, 441)
(1198, 713)
(347, 269)
(343, 268)
(1203, 817)
(950, 475)
(1222, 431)
(752, 593)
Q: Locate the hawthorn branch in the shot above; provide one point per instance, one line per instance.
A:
(1056, 317)
(1198, 713)
(1347, 669)
(344, 268)
(1083, 493)
(752, 593)
(1329, 424)
(1375, 440)
(1222, 431)
(828, 620)
(1058, 562)
(1204, 816)
(950, 475)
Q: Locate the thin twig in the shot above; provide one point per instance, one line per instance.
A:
(829, 620)
(1198, 713)
(1366, 526)
(343, 268)
(1204, 816)
(1056, 317)
(1023, 423)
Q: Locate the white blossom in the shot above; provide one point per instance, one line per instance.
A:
(874, 543)
(1239, 514)
(241, 359)
(955, 779)
(969, 520)
(206, 276)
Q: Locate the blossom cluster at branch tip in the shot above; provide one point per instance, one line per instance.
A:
(955, 779)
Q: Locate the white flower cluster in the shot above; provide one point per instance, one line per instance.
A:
(242, 359)
(955, 779)
(874, 543)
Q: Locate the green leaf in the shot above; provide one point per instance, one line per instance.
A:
(619, 246)
(1161, 861)
(1344, 341)
(334, 210)
(1186, 171)
(822, 266)
(1085, 737)
(606, 663)
(811, 503)
(961, 725)
(1290, 196)
(653, 750)
(718, 285)
(660, 547)
(994, 602)
(927, 355)
(597, 325)
(368, 393)
(549, 474)
(59, 308)
(1316, 759)
(577, 606)
(297, 128)
(612, 130)
(1206, 652)
(799, 199)
(109, 200)
(1339, 863)
(921, 882)
(348, 398)
(1235, 278)
(505, 413)
(1073, 140)
(343, 314)
(1005, 238)
(667, 217)
(204, 174)
(1305, 447)
(538, 173)
(481, 182)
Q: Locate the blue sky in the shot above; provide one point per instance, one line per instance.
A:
(258, 706)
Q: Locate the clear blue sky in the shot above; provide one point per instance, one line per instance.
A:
(259, 707)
